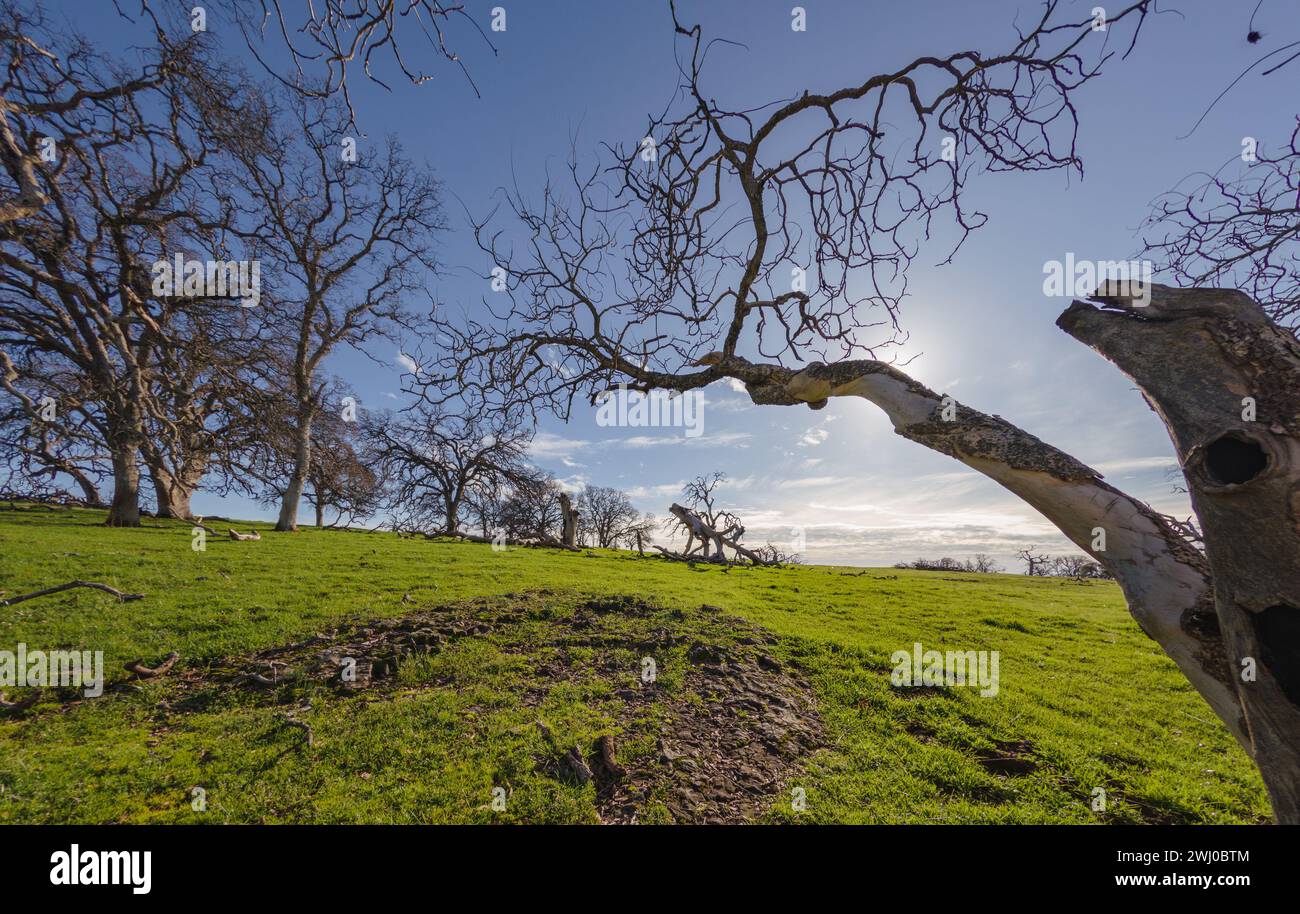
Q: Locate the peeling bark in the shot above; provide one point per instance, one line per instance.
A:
(1226, 382)
(1165, 580)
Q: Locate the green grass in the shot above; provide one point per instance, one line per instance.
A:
(1085, 694)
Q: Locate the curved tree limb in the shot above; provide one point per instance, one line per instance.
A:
(1165, 580)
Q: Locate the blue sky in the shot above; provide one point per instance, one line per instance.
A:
(980, 328)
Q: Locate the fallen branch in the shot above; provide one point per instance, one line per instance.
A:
(21, 704)
(542, 539)
(696, 526)
(144, 672)
(302, 725)
(124, 597)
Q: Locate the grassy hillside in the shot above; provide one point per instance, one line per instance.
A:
(499, 663)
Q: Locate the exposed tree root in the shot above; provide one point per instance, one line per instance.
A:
(144, 672)
(22, 704)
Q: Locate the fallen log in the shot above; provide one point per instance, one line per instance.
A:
(697, 527)
(124, 597)
(542, 540)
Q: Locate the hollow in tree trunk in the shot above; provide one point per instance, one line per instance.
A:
(1226, 382)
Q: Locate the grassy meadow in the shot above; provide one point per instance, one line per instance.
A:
(536, 650)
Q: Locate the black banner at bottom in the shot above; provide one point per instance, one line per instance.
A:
(336, 863)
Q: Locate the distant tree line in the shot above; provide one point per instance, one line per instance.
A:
(1037, 564)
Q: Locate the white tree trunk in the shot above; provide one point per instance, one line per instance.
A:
(1165, 579)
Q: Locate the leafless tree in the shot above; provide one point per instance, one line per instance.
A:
(701, 496)
(674, 269)
(436, 461)
(531, 511)
(607, 517)
(1238, 227)
(343, 475)
(324, 39)
(123, 184)
(1036, 563)
(63, 86)
(348, 240)
(47, 430)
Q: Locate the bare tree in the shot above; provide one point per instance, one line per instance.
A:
(335, 35)
(63, 85)
(343, 474)
(532, 509)
(347, 240)
(435, 462)
(659, 278)
(1238, 227)
(607, 517)
(123, 177)
(47, 430)
(1036, 563)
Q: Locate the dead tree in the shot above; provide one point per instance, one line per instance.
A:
(1226, 381)
(684, 290)
(1035, 562)
(698, 528)
(568, 521)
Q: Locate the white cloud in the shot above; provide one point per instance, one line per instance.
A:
(664, 490)
(547, 445)
(723, 438)
(1135, 463)
(814, 437)
(812, 482)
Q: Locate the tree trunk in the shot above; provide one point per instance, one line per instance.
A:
(320, 513)
(89, 492)
(288, 520)
(1226, 382)
(1165, 580)
(569, 534)
(125, 508)
(173, 499)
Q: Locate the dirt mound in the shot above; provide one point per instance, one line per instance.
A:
(727, 759)
(728, 735)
